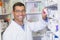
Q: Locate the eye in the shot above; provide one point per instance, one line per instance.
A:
(20, 11)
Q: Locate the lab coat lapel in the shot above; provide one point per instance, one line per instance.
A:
(18, 26)
(20, 32)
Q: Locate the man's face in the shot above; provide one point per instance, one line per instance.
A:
(19, 13)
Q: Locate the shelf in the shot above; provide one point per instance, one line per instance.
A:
(53, 7)
(51, 3)
(4, 16)
(33, 1)
(33, 13)
(33, 7)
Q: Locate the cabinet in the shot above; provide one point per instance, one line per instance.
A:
(4, 16)
(34, 9)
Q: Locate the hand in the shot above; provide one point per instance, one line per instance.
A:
(44, 13)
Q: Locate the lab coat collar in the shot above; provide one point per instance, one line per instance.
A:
(17, 25)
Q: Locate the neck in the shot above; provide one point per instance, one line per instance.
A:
(19, 22)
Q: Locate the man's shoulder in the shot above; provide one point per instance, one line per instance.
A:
(10, 27)
(9, 30)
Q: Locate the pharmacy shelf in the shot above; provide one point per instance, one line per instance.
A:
(54, 24)
(33, 12)
(33, 7)
(4, 16)
(34, 1)
(53, 7)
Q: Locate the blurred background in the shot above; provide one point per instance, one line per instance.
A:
(36, 10)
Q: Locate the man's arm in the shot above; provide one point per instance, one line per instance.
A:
(36, 26)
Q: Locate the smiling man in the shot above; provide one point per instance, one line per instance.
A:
(18, 28)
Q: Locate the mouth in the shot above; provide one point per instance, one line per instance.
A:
(21, 17)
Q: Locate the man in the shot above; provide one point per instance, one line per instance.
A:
(18, 29)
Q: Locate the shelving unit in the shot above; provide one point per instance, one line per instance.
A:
(4, 16)
(33, 7)
(54, 20)
(50, 5)
(53, 7)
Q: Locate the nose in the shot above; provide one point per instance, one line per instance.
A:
(22, 14)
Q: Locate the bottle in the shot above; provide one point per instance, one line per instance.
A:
(0, 7)
(56, 28)
(56, 37)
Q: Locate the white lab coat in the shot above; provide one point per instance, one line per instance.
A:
(15, 32)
